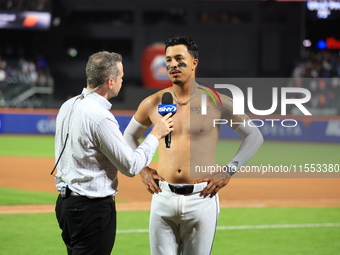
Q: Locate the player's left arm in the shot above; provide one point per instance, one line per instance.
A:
(252, 140)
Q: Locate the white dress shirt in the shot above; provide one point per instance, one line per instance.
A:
(95, 149)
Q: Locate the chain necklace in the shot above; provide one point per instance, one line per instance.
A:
(185, 102)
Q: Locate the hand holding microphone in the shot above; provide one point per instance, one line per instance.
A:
(163, 127)
(167, 107)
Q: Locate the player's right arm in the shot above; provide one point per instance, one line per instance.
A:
(144, 117)
(138, 125)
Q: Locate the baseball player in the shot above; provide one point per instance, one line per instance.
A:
(184, 210)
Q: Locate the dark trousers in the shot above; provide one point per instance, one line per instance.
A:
(88, 225)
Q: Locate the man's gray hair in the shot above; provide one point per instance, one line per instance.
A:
(100, 67)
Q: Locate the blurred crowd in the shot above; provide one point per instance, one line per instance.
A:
(319, 72)
(20, 74)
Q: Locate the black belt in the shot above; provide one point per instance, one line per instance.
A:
(181, 190)
(65, 192)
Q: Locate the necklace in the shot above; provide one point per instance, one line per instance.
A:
(185, 102)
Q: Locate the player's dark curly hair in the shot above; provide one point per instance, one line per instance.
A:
(180, 39)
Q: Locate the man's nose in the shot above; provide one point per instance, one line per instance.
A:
(173, 63)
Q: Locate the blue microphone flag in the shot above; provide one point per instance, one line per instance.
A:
(164, 109)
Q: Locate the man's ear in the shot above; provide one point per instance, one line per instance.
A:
(195, 63)
(111, 82)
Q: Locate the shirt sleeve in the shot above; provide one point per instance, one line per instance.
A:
(112, 144)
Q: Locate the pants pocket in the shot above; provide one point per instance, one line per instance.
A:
(107, 215)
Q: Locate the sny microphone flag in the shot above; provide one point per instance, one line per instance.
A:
(164, 109)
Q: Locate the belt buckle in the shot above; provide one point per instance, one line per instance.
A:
(182, 190)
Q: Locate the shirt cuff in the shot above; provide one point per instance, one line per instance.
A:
(152, 141)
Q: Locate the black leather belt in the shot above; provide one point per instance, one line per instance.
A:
(181, 190)
(65, 192)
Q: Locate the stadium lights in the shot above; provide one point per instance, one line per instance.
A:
(323, 8)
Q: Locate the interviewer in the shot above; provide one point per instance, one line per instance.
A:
(89, 150)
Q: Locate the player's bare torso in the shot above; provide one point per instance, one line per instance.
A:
(193, 141)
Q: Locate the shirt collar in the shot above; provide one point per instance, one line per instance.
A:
(101, 100)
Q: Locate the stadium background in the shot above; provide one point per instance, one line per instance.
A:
(43, 65)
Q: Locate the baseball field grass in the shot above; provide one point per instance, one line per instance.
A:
(270, 152)
(241, 231)
(246, 231)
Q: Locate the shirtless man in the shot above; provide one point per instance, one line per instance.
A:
(184, 210)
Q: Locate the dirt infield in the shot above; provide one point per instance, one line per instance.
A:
(33, 174)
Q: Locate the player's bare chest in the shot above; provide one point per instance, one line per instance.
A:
(189, 120)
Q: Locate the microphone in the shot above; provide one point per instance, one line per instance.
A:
(163, 109)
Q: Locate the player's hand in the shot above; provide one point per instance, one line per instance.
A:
(149, 176)
(215, 183)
